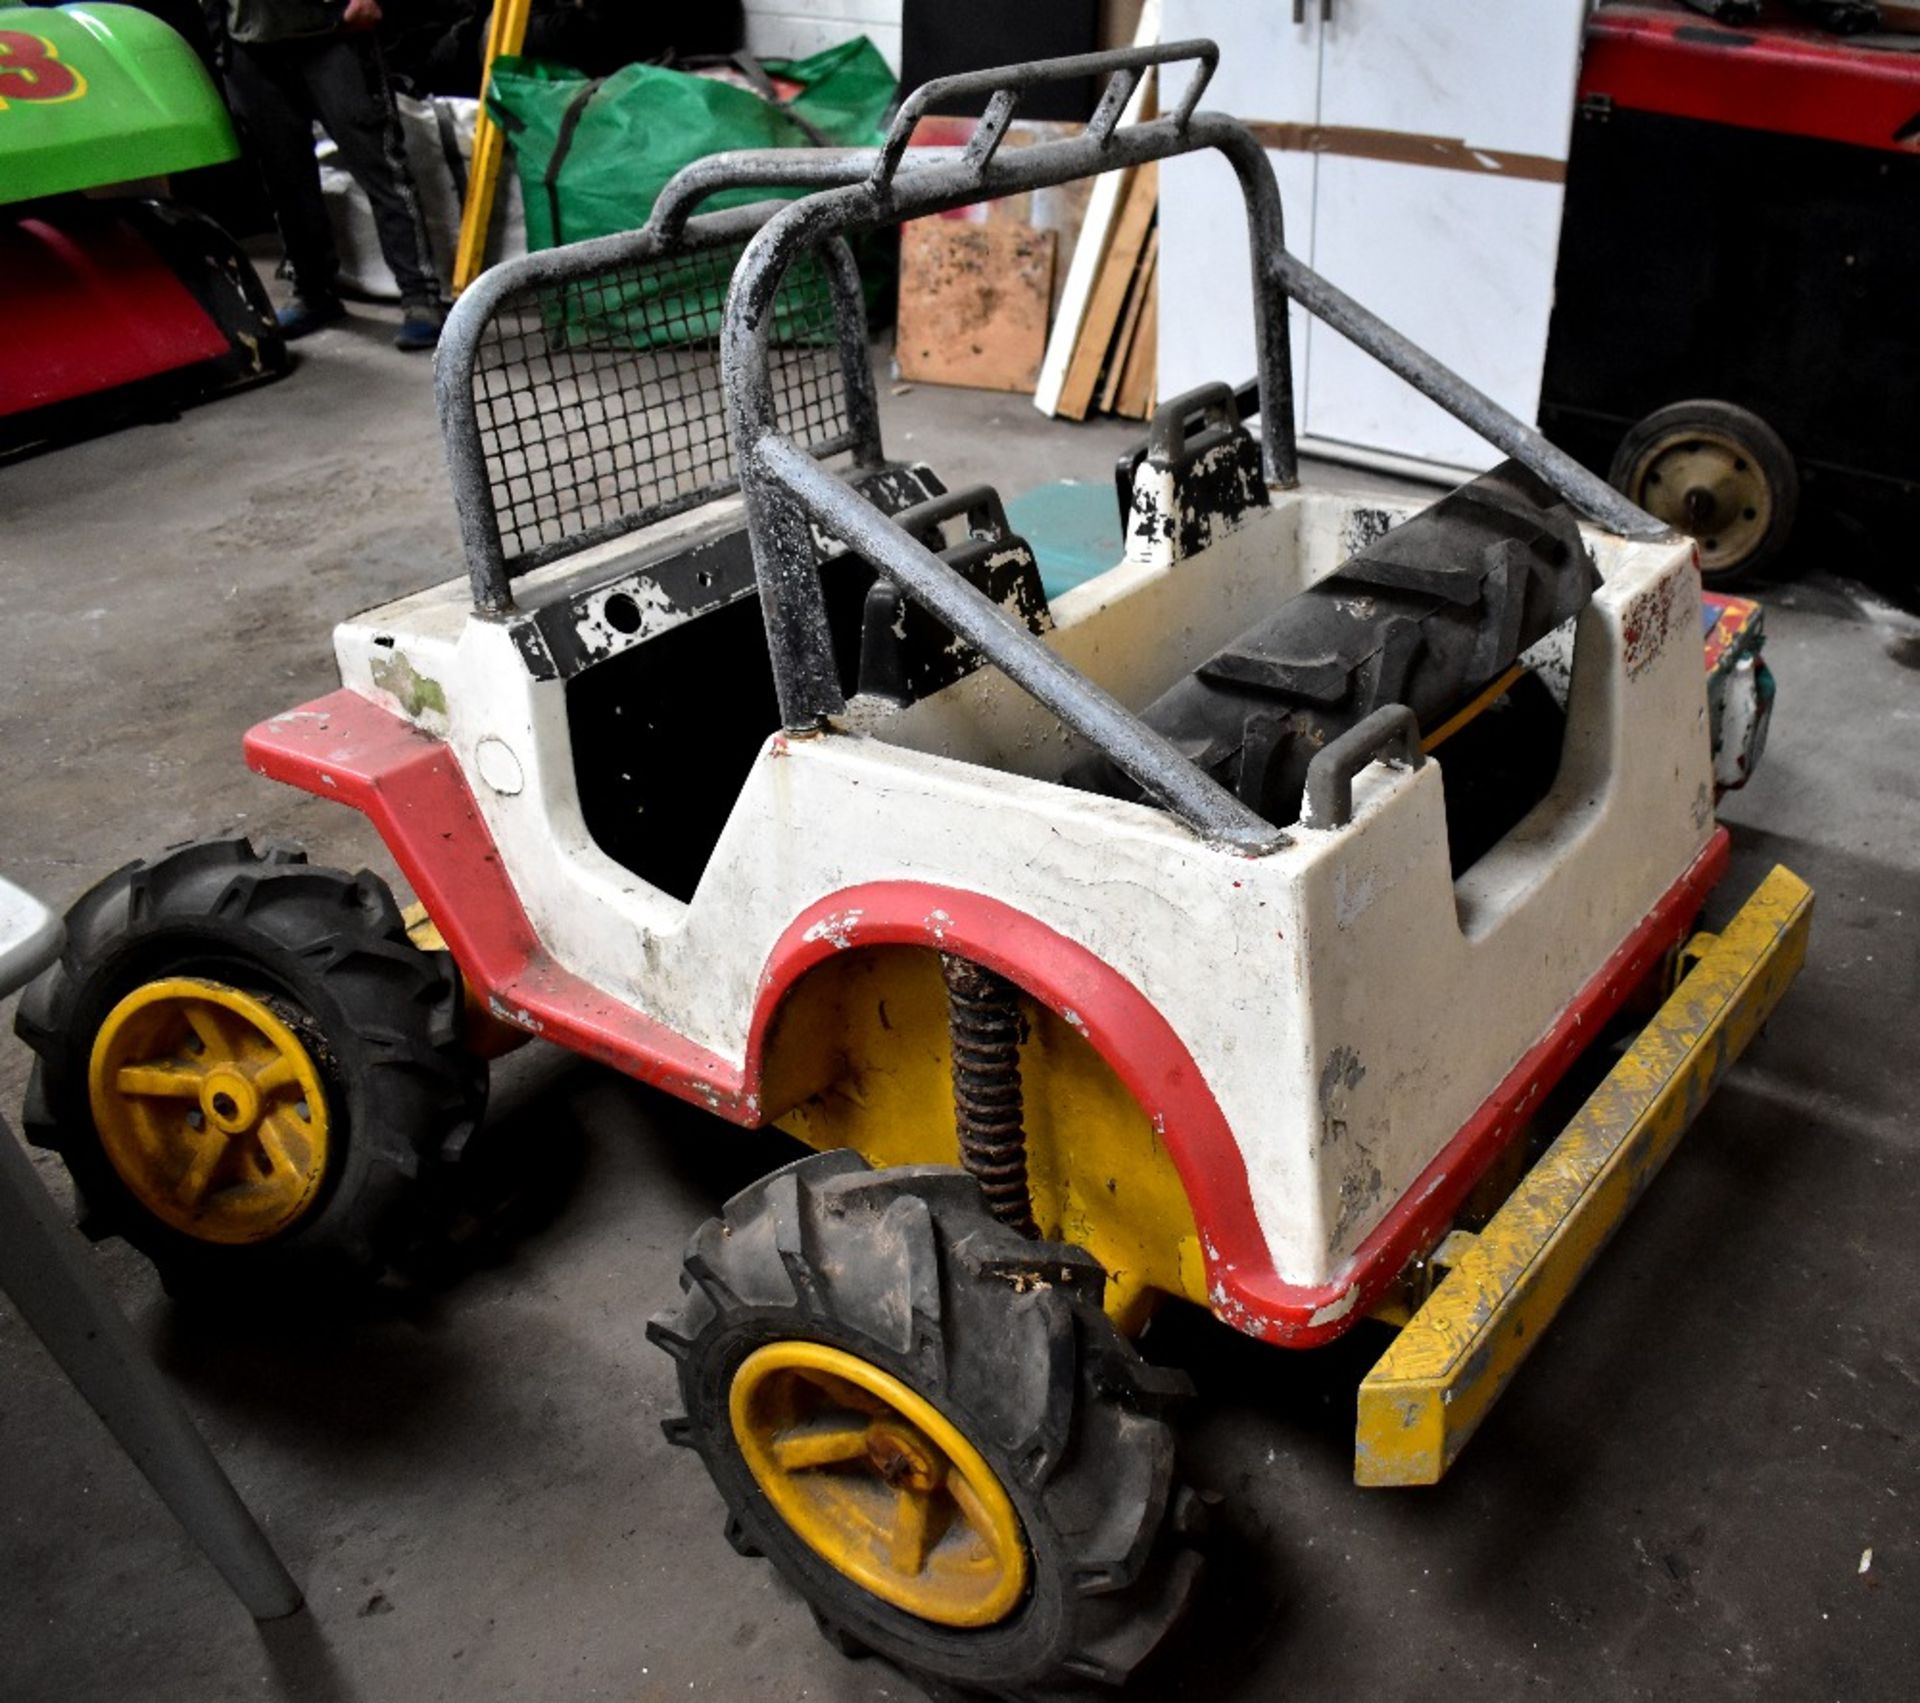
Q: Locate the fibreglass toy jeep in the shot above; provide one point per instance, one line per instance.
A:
(1213, 931)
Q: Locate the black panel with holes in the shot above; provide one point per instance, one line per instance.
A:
(670, 689)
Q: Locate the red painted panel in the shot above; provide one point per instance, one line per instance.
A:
(89, 306)
(345, 748)
(1793, 82)
(409, 786)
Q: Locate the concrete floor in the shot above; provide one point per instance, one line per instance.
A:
(1675, 1499)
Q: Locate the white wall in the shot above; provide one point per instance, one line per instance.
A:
(790, 29)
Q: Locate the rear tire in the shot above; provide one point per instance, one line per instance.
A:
(1718, 473)
(310, 966)
(905, 1273)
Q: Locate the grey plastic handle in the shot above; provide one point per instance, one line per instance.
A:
(1214, 403)
(986, 514)
(1390, 732)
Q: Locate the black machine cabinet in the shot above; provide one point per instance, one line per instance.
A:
(1742, 223)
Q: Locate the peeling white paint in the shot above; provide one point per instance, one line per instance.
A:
(836, 928)
(1334, 1311)
(517, 1014)
(644, 609)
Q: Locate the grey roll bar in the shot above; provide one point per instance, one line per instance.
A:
(787, 493)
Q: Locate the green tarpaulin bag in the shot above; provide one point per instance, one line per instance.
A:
(593, 154)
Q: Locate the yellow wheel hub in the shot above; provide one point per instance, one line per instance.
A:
(1710, 487)
(210, 1108)
(879, 1483)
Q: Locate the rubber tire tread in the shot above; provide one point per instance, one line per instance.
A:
(383, 1018)
(908, 1269)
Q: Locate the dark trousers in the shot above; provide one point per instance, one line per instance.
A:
(278, 89)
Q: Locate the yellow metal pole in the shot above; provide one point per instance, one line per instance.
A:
(1431, 1389)
(506, 33)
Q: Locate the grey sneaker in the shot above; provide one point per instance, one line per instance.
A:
(420, 324)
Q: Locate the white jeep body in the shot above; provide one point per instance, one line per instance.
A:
(1348, 1003)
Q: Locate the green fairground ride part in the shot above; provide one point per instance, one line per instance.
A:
(92, 95)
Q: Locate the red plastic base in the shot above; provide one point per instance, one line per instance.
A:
(89, 306)
(1793, 82)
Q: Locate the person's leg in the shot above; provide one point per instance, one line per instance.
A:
(348, 82)
(270, 101)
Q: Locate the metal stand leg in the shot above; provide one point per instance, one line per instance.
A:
(43, 1271)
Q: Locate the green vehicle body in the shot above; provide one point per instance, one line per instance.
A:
(92, 95)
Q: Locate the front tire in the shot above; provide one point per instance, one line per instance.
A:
(929, 1426)
(248, 1069)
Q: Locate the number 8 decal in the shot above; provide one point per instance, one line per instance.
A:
(31, 70)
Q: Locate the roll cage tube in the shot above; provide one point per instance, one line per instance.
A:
(787, 493)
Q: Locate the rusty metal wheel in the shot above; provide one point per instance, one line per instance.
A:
(1719, 474)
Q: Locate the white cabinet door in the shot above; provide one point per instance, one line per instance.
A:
(1461, 261)
(1269, 68)
(1460, 257)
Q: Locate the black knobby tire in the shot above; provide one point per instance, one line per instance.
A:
(907, 1269)
(329, 952)
(1763, 461)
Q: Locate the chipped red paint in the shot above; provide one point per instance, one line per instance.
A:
(408, 784)
(1796, 82)
(1648, 623)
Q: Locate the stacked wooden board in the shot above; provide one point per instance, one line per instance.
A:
(1104, 347)
(974, 301)
(967, 303)
(1112, 357)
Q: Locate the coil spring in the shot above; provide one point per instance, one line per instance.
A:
(983, 1021)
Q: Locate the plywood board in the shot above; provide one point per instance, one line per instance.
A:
(1091, 249)
(1138, 389)
(1109, 291)
(1129, 323)
(973, 303)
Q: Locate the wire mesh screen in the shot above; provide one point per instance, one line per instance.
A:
(600, 404)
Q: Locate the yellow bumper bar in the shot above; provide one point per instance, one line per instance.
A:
(1430, 1390)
